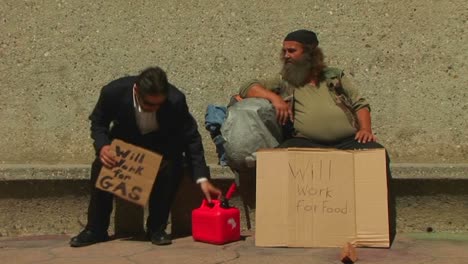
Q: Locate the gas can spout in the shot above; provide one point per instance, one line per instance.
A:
(225, 200)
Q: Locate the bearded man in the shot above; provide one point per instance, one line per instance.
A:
(325, 109)
(324, 106)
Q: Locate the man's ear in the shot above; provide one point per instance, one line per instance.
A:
(135, 88)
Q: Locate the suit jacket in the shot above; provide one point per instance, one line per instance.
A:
(114, 117)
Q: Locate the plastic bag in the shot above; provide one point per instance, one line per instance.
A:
(250, 125)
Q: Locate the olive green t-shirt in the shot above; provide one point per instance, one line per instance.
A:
(316, 114)
(318, 117)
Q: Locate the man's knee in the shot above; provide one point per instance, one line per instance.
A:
(372, 145)
(299, 142)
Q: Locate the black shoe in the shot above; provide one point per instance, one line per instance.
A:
(161, 238)
(88, 237)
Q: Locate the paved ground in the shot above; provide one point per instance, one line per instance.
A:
(408, 248)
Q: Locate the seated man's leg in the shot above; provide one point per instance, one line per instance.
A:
(99, 211)
(162, 196)
(351, 143)
(300, 142)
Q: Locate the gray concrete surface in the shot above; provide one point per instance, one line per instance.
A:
(408, 57)
(59, 207)
(407, 249)
(18, 172)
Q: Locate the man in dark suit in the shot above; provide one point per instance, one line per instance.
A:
(147, 111)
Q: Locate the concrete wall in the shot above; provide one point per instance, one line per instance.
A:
(409, 58)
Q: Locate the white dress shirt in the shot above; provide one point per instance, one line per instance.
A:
(146, 121)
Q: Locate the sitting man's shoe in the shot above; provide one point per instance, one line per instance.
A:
(161, 238)
(88, 237)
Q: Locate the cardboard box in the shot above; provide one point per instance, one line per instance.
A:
(133, 177)
(321, 198)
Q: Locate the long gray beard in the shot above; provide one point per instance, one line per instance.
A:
(298, 72)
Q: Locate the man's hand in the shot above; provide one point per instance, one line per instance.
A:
(365, 135)
(283, 110)
(107, 157)
(208, 189)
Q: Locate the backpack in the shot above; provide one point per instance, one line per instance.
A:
(250, 125)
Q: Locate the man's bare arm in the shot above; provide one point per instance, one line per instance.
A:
(283, 111)
(364, 134)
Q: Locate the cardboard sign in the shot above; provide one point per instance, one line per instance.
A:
(133, 177)
(321, 198)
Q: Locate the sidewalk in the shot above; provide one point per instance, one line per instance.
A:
(407, 249)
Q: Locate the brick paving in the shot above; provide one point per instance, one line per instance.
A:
(407, 249)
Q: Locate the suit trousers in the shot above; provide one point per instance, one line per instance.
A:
(160, 200)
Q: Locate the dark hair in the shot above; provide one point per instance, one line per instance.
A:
(315, 56)
(152, 81)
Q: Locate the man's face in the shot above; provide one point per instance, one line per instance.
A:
(150, 103)
(292, 51)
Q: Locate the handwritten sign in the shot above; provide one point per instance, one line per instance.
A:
(319, 190)
(133, 177)
(321, 198)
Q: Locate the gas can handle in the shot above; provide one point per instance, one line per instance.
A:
(214, 203)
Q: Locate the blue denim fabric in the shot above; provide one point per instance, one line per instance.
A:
(214, 119)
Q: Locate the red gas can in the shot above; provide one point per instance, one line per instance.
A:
(211, 223)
